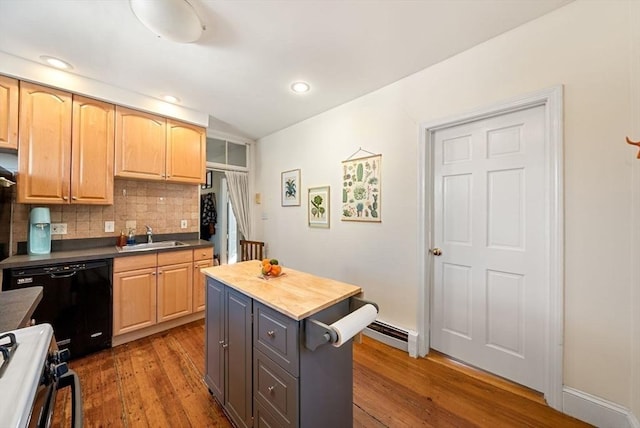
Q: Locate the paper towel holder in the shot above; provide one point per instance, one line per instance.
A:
(318, 333)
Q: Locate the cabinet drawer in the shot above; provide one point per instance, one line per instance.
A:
(264, 419)
(175, 257)
(276, 390)
(277, 337)
(203, 254)
(121, 264)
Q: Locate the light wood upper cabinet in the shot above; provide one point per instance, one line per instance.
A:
(155, 148)
(44, 145)
(9, 95)
(65, 148)
(92, 152)
(140, 147)
(186, 152)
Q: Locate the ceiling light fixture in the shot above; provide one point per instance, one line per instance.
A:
(174, 20)
(300, 87)
(171, 99)
(56, 62)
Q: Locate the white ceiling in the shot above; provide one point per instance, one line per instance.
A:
(240, 71)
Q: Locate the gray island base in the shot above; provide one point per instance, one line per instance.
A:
(257, 365)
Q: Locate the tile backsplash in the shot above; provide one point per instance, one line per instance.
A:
(160, 205)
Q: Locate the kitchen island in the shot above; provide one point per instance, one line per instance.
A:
(257, 364)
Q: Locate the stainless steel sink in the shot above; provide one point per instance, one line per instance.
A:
(152, 246)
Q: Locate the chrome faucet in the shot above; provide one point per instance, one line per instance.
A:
(149, 234)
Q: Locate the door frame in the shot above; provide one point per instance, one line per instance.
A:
(552, 101)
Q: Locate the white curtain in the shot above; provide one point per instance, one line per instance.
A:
(238, 183)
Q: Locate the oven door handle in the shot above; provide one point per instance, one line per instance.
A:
(71, 379)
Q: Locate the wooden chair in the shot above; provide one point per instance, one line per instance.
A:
(251, 250)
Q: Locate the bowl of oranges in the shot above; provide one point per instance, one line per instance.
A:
(271, 268)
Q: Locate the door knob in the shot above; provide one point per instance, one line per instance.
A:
(436, 252)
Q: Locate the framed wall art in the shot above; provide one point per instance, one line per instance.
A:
(318, 207)
(290, 187)
(361, 189)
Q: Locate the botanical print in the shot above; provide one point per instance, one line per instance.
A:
(318, 209)
(290, 181)
(361, 189)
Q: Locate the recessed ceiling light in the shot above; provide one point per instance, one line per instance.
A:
(56, 62)
(171, 99)
(300, 87)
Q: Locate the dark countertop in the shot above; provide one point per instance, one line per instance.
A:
(108, 252)
(17, 306)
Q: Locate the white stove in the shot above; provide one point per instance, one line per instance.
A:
(32, 369)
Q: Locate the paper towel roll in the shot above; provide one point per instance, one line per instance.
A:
(354, 323)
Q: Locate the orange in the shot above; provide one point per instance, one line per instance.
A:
(275, 270)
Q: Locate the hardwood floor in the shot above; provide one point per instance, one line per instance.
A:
(157, 382)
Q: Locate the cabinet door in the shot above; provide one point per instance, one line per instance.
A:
(186, 152)
(134, 300)
(92, 142)
(44, 145)
(215, 339)
(8, 113)
(140, 145)
(238, 366)
(199, 284)
(175, 287)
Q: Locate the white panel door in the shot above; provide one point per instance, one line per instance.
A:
(490, 285)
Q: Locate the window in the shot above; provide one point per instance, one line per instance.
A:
(226, 152)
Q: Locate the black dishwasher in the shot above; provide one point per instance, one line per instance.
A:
(77, 301)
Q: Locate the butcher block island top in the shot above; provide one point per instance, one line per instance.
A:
(295, 294)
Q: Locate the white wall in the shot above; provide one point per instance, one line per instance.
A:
(585, 46)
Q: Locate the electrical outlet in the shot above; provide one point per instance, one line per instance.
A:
(109, 226)
(58, 228)
(183, 224)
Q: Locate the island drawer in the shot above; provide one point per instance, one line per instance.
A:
(276, 335)
(276, 390)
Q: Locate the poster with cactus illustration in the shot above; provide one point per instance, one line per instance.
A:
(361, 185)
(318, 207)
(290, 184)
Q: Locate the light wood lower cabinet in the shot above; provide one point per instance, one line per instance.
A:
(153, 288)
(175, 284)
(134, 293)
(202, 258)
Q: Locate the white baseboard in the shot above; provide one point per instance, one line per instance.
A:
(596, 411)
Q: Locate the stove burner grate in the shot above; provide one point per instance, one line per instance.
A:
(8, 346)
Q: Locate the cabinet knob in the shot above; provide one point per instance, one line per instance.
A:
(65, 198)
(226, 345)
(75, 198)
(271, 333)
(271, 389)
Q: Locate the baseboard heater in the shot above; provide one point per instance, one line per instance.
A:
(389, 330)
(406, 340)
